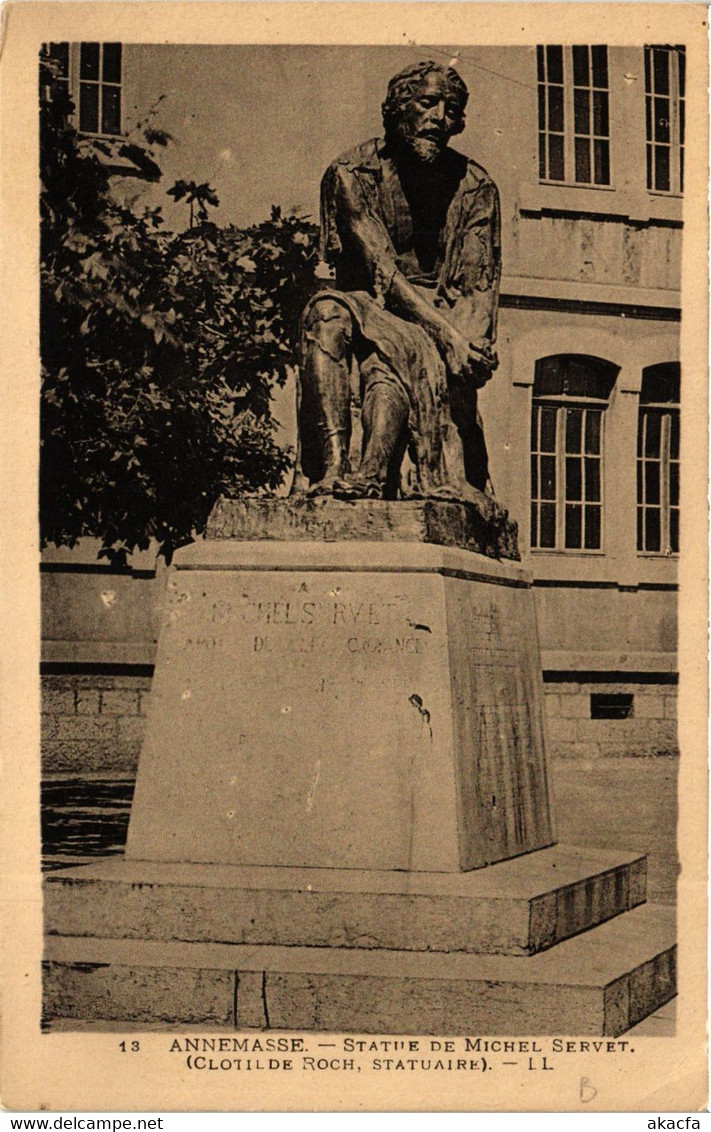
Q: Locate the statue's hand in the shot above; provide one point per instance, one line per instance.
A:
(481, 371)
(457, 353)
(465, 361)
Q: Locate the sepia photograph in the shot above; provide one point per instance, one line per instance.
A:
(360, 531)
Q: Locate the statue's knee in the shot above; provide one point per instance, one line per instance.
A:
(327, 310)
(328, 323)
(380, 384)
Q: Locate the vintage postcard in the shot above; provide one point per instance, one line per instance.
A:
(354, 556)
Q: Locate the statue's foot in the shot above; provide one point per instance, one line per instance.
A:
(358, 487)
(323, 487)
(326, 485)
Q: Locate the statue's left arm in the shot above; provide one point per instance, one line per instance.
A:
(472, 269)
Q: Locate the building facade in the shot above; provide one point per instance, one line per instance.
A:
(586, 144)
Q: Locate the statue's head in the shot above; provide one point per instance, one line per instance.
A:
(423, 109)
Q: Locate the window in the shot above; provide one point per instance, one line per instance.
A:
(570, 395)
(612, 705)
(573, 115)
(91, 74)
(665, 88)
(658, 460)
(58, 56)
(100, 88)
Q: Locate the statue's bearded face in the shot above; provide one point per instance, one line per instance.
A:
(429, 118)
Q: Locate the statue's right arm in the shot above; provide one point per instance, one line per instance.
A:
(363, 234)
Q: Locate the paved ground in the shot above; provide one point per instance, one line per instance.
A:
(84, 818)
(661, 1024)
(622, 804)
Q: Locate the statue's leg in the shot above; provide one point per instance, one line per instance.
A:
(324, 419)
(384, 416)
(465, 415)
(452, 460)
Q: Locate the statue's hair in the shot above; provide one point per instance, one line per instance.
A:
(403, 85)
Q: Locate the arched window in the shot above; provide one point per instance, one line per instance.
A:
(658, 460)
(570, 395)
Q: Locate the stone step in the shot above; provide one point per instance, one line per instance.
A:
(516, 907)
(601, 982)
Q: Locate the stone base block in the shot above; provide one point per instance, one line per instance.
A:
(600, 983)
(514, 908)
(488, 531)
(361, 705)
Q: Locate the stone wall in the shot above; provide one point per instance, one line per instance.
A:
(93, 724)
(649, 730)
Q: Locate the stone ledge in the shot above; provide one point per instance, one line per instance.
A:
(323, 518)
(519, 906)
(358, 557)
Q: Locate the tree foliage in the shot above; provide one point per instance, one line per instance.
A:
(159, 352)
(197, 196)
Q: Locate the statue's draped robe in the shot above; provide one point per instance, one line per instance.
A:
(367, 236)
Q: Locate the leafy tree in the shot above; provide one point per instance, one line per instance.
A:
(159, 353)
(197, 196)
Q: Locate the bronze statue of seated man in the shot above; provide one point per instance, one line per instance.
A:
(412, 230)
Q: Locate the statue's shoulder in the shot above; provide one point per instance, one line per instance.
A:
(363, 156)
(475, 175)
(342, 183)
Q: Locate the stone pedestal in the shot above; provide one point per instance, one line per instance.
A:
(346, 727)
(364, 705)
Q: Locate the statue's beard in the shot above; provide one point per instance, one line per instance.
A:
(424, 150)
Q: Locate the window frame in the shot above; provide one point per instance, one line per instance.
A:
(569, 132)
(562, 463)
(562, 405)
(74, 82)
(101, 84)
(63, 62)
(677, 117)
(669, 412)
